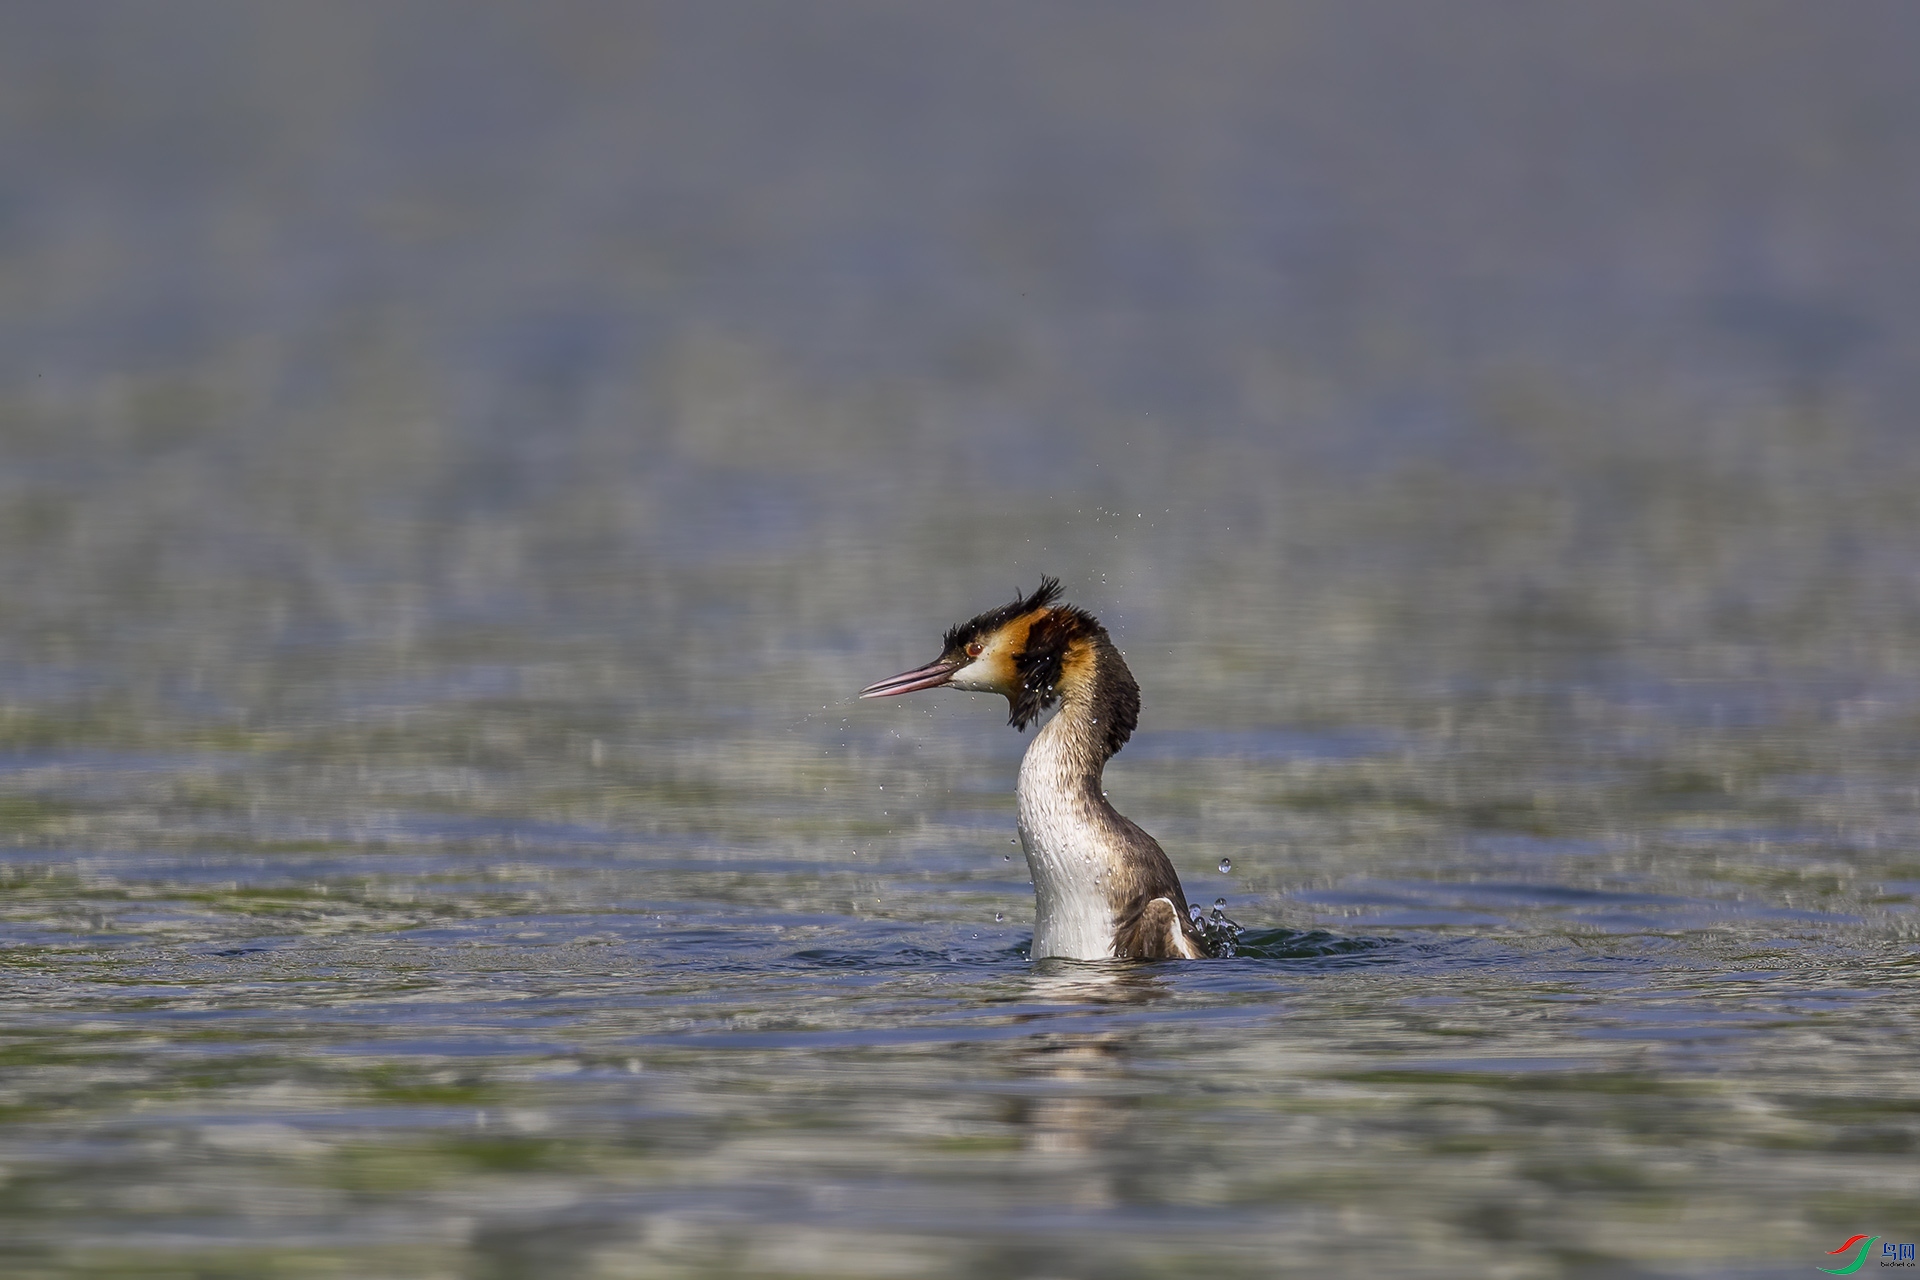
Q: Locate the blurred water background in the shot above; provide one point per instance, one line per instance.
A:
(458, 460)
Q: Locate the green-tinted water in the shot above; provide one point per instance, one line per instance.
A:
(459, 464)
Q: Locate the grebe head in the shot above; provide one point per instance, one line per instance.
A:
(1022, 650)
(982, 654)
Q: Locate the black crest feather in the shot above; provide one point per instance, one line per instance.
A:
(993, 619)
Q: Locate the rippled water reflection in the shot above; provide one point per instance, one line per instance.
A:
(458, 469)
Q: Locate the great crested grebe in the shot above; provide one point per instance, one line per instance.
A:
(1103, 888)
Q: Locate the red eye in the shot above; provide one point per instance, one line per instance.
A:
(975, 649)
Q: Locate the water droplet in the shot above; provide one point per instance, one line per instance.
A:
(1219, 903)
(998, 917)
(1226, 865)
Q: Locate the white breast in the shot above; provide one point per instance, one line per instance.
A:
(1066, 853)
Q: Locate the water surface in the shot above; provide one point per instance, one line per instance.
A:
(459, 463)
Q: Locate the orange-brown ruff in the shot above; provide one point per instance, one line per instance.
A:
(1103, 888)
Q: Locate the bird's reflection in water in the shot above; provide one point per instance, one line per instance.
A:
(1095, 982)
(1079, 1089)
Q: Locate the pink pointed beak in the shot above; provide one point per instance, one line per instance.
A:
(931, 676)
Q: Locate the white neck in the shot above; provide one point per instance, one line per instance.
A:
(1070, 845)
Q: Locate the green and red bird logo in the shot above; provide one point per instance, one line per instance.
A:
(1859, 1259)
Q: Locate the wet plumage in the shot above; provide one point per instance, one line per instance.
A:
(1103, 888)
